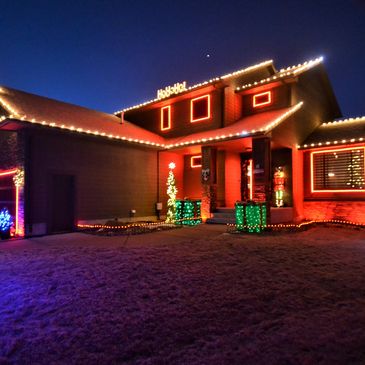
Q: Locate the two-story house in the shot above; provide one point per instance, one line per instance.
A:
(257, 134)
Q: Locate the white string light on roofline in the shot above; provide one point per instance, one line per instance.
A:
(289, 71)
(240, 134)
(81, 130)
(149, 143)
(7, 106)
(235, 73)
(15, 115)
(347, 120)
(328, 143)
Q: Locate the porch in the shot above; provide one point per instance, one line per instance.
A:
(223, 173)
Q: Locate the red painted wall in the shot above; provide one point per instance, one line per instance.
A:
(349, 206)
(233, 178)
(164, 159)
(297, 179)
(150, 117)
(353, 211)
(192, 183)
(280, 98)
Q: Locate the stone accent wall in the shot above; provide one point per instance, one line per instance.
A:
(353, 211)
(12, 150)
(209, 199)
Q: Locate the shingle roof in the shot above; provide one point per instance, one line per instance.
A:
(344, 131)
(259, 123)
(36, 109)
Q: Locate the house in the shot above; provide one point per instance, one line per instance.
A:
(257, 134)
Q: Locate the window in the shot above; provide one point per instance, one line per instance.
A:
(200, 108)
(196, 161)
(340, 170)
(261, 99)
(166, 118)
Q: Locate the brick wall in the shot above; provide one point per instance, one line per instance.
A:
(12, 150)
(345, 210)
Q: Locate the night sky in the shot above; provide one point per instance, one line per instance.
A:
(109, 54)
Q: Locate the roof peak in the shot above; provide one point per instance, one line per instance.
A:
(285, 72)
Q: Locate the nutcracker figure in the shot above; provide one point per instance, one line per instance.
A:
(279, 186)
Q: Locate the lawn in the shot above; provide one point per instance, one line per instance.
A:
(186, 296)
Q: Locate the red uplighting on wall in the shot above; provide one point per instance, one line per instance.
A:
(313, 190)
(250, 177)
(9, 172)
(262, 99)
(200, 108)
(196, 161)
(166, 118)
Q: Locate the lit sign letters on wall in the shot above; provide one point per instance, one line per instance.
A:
(170, 90)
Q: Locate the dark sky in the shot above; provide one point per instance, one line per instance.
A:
(112, 54)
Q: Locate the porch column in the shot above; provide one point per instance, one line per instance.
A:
(261, 155)
(209, 181)
(298, 188)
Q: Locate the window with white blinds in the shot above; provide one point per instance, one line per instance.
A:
(338, 170)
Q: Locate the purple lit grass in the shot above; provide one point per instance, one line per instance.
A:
(187, 296)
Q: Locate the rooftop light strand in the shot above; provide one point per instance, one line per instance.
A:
(328, 143)
(207, 82)
(285, 72)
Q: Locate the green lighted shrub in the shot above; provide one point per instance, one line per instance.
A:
(188, 212)
(251, 217)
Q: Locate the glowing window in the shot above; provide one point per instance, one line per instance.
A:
(340, 170)
(196, 161)
(262, 99)
(200, 108)
(166, 118)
